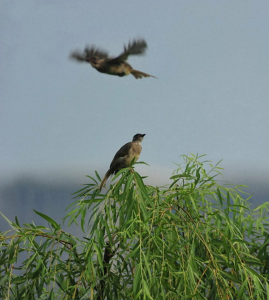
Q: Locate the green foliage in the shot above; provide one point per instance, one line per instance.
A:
(193, 239)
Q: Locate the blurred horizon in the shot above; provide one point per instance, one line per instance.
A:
(52, 194)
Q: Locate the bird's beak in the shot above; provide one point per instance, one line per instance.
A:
(143, 135)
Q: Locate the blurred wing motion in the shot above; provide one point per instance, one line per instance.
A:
(137, 47)
(88, 53)
(117, 66)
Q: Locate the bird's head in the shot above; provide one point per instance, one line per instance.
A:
(138, 137)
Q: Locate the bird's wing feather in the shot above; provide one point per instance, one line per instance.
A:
(124, 150)
(88, 53)
(97, 52)
(78, 56)
(136, 47)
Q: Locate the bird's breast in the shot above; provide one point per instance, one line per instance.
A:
(135, 151)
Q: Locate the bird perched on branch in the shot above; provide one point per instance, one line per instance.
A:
(118, 66)
(124, 156)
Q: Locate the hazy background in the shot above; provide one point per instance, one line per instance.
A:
(61, 120)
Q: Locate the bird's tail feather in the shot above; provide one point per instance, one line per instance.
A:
(138, 74)
(108, 173)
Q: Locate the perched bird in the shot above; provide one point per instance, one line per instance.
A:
(124, 156)
(118, 66)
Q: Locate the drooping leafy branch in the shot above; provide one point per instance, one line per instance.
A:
(194, 238)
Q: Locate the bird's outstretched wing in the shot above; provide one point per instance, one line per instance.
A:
(88, 53)
(137, 47)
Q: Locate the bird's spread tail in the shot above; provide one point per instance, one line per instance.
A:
(108, 173)
(138, 74)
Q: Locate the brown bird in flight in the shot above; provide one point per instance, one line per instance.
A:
(118, 66)
(124, 156)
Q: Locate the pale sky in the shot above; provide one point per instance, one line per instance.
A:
(62, 119)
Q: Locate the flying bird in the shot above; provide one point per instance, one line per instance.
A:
(124, 157)
(118, 66)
